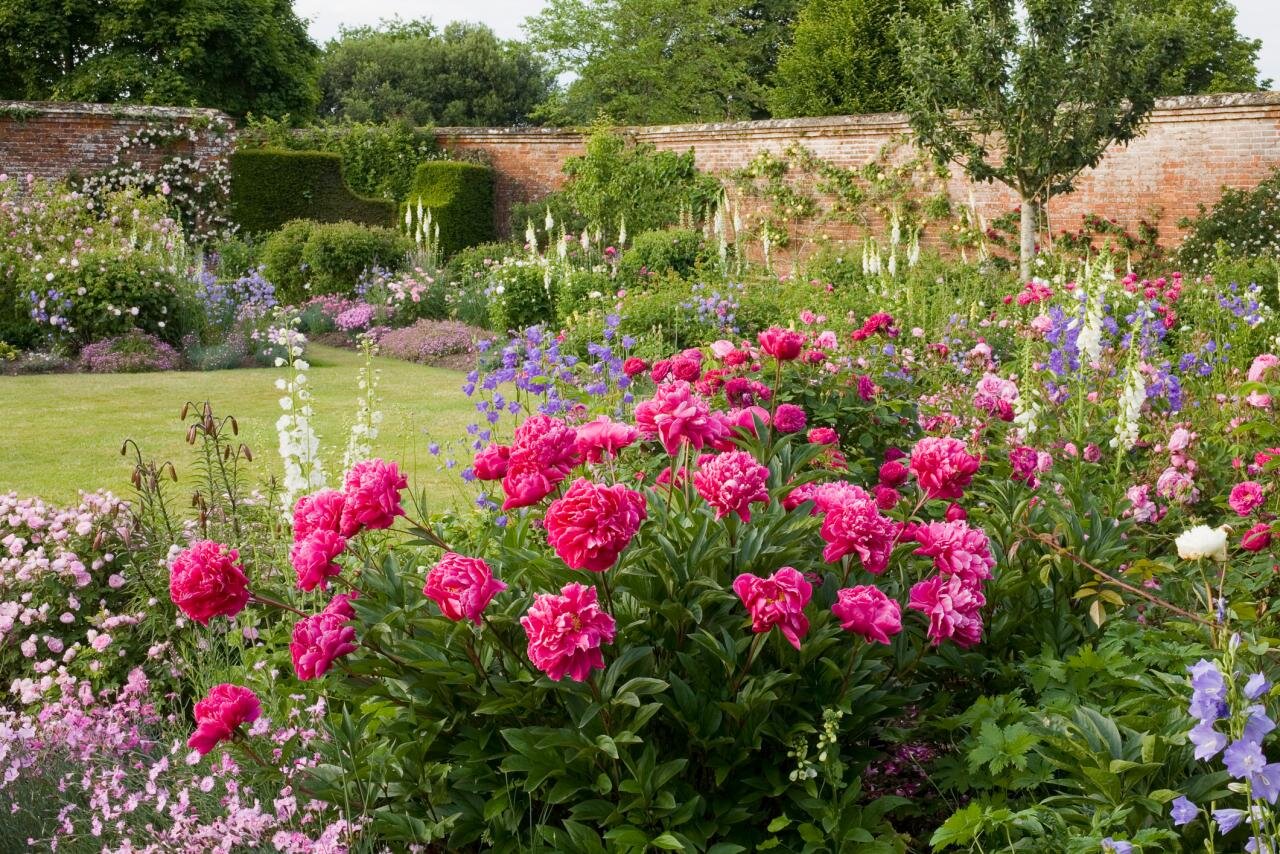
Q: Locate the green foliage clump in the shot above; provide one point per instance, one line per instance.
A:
(305, 257)
(474, 262)
(658, 253)
(377, 159)
(269, 187)
(521, 294)
(1243, 224)
(120, 295)
(564, 215)
(580, 291)
(460, 198)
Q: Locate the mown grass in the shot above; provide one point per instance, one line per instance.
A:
(63, 433)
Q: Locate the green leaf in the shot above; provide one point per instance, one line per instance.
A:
(961, 828)
(667, 842)
(779, 823)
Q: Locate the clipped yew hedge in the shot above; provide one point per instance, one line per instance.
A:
(460, 197)
(271, 186)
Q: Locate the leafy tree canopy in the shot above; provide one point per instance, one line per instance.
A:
(1212, 56)
(240, 56)
(461, 75)
(660, 61)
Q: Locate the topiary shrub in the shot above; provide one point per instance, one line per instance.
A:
(269, 187)
(460, 198)
(306, 257)
(657, 253)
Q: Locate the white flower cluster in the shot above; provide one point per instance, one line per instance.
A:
(1203, 542)
(299, 444)
(365, 429)
(1131, 400)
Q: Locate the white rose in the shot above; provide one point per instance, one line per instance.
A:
(1203, 541)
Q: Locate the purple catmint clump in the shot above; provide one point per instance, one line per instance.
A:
(134, 353)
(430, 339)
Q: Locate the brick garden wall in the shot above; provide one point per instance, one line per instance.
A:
(1192, 147)
(53, 140)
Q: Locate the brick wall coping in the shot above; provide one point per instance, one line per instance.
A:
(114, 111)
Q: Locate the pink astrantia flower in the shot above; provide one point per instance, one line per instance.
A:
(462, 587)
(942, 466)
(207, 581)
(313, 559)
(320, 511)
(591, 524)
(867, 611)
(491, 462)
(731, 482)
(856, 526)
(782, 344)
(953, 608)
(372, 490)
(1246, 497)
(956, 549)
(675, 415)
(778, 600)
(318, 641)
(566, 631)
(218, 715)
(604, 438)
(789, 418)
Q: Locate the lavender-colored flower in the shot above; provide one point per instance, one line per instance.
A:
(1183, 811)
(1208, 741)
(1257, 725)
(1116, 846)
(1228, 819)
(1244, 758)
(1256, 686)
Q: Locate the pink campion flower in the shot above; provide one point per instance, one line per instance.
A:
(782, 344)
(675, 415)
(865, 610)
(731, 482)
(604, 438)
(1246, 497)
(372, 491)
(1256, 538)
(313, 559)
(943, 466)
(953, 608)
(789, 418)
(462, 587)
(491, 462)
(956, 549)
(319, 640)
(856, 526)
(207, 581)
(220, 713)
(319, 511)
(823, 436)
(590, 525)
(566, 631)
(778, 600)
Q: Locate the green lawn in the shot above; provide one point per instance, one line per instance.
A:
(64, 431)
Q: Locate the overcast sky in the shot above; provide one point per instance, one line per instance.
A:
(1258, 18)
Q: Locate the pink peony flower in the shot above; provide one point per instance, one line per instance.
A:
(318, 641)
(1246, 497)
(676, 415)
(491, 462)
(218, 715)
(603, 438)
(1256, 538)
(372, 491)
(340, 604)
(855, 526)
(789, 418)
(1262, 365)
(207, 581)
(886, 497)
(591, 524)
(566, 631)
(955, 513)
(942, 466)
(867, 611)
(778, 600)
(313, 559)
(320, 511)
(956, 549)
(823, 436)
(545, 450)
(953, 608)
(462, 587)
(743, 421)
(782, 344)
(731, 482)
(893, 473)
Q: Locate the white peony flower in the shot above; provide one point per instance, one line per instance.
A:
(1203, 541)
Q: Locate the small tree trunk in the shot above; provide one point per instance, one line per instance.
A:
(1027, 238)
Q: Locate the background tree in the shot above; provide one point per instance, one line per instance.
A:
(1031, 93)
(660, 61)
(240, 56)
(461, 75)
(843, 59)
(1212, 55)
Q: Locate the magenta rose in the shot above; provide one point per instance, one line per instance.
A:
(462, 587)
(1246, 497)
(566, 632)
(1256, 538)
(778, 600)
(865, 610)
(207, 581)
(372, 491)
(220, 713)
(789, 418)
(782, 344)
(591, 524)
(313, 559)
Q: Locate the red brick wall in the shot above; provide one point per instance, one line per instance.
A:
(1192, 147)
(53, 140)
